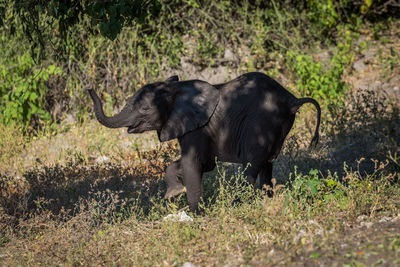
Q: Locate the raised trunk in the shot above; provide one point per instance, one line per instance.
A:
(119, 120)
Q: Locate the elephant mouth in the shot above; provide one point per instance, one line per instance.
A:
(135, 129)
(131, 129)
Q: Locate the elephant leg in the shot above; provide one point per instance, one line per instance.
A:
(251, 174)
(192, 173)
(174, 186)
(265, 175)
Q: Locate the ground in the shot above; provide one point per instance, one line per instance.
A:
(91, 195)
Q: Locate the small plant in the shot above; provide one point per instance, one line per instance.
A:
(325, 83)
(324, 14)
(315, 80)
(23, 90)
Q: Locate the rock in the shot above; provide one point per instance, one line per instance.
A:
(359, 65)
(228, 55)
(179, 217)
(188, 264)
(385, 219)
(102, 159)
(366, 224)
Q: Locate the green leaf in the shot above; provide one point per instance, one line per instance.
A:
(33, 96)
(315, 255)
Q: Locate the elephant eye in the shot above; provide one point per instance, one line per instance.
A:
(145, 108)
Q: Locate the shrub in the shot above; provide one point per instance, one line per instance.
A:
(23, 90)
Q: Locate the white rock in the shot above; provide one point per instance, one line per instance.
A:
(179, 217)
(359, 65)
(385, 219)
(228, 54)
(366, 224)
(102, 159)
(188, 264)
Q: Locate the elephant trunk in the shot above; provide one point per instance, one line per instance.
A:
(119, 120)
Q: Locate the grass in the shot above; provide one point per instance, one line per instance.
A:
(293, 224)
(80, 194)
(68, 209)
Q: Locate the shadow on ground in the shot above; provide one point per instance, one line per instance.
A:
(60, 192)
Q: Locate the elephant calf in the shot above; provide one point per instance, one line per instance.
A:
(245, 120)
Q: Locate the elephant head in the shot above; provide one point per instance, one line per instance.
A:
(172, 108)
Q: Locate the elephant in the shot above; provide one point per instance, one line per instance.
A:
(245, 120)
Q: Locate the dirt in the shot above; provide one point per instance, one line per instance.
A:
(362, 243)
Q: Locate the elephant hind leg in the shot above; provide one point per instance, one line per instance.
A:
(174, 186)
(251, 174)
(265, 178)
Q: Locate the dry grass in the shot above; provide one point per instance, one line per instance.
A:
(63, 203)
(68, 209)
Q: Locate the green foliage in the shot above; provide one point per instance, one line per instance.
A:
(324, 82)
(314, 80)
(23, 89)
(113, 15)
(149, 38)
(324, 13)
(310, 192)
(42, 21)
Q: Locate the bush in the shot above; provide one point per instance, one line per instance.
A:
(23, 90)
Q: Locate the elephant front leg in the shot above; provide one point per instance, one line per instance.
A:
(192, 180)
(265, 175)
(174, 186)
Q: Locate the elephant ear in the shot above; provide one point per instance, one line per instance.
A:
(195, 102)
(174, 78)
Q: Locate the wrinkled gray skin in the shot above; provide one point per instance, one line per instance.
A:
(244, 121)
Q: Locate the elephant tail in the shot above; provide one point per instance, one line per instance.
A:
(298, 103)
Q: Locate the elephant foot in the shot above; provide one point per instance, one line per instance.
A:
(174, 191)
